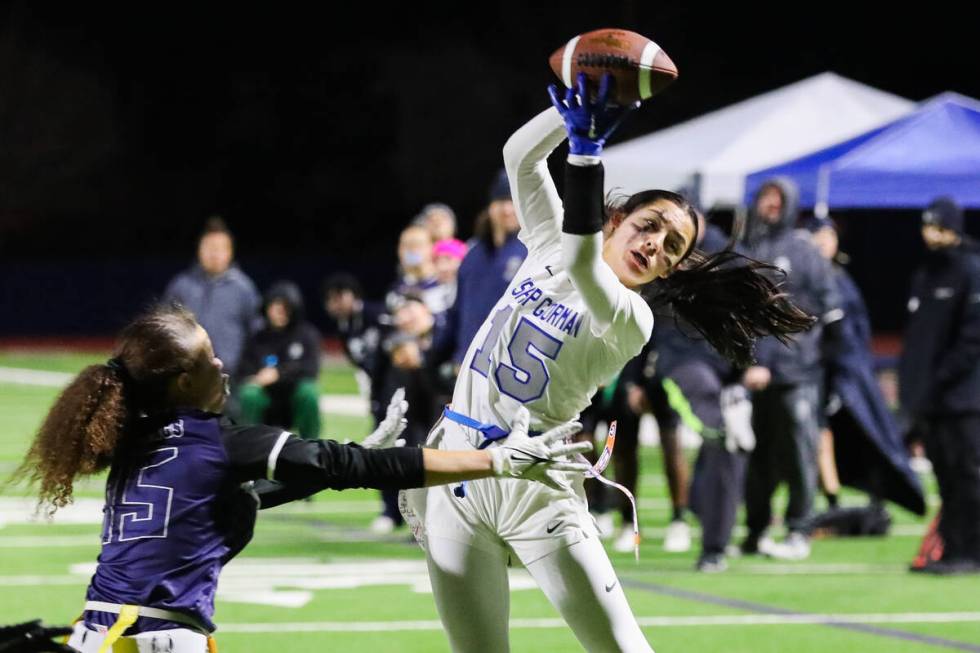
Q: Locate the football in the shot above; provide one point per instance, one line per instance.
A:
(640, 67)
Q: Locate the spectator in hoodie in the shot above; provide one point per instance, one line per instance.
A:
(280, 366)
(222, 297)
(786, 381)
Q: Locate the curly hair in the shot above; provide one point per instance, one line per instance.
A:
(86, 426)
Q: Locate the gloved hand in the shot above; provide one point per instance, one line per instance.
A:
(736, 412)
(391, 426)
(522, 456)
(589, 124)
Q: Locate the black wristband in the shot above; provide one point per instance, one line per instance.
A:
(583, 199)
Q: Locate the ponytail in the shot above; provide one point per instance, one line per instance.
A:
(83, 431)
(78, 435)
(730, 300)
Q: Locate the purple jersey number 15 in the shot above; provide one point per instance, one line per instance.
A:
(137, 503)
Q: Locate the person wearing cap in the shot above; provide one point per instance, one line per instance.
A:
(494, 255)
(939, 376)
(280, 366)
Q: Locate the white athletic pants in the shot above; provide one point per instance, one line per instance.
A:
(473, 597)
(177, 640)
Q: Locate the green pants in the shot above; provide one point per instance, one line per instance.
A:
(303, 404)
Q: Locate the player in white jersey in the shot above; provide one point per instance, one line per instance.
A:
(570, 319)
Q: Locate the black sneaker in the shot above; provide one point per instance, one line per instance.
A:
(954, 567)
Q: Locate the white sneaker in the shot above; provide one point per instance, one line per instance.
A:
(625, 542)
(607, 527)
(796, 546)
(382, 525)
(678, 537)
(766, 546)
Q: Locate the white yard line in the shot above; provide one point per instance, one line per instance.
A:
(678, 621)
(352, 405)
(23, 376)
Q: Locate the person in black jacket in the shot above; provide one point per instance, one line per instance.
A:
(939, 374)
(361, 325)
(786, 380)
(280, 366)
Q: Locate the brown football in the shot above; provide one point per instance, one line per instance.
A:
(641, 68)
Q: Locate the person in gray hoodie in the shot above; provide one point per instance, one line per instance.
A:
(786, 379)
(222, 297)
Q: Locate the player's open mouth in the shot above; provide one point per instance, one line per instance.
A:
(641, 261)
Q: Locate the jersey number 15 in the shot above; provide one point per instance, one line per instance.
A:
(137, 507)
(526, 378)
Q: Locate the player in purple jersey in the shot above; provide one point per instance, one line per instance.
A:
(184, 484)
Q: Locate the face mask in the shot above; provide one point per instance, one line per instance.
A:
(411, 259)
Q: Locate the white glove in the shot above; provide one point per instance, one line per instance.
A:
(522, 456)
(736, 412)
(391, 426)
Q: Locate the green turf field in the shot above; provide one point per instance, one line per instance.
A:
(315, 578)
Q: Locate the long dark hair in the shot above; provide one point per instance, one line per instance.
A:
(728, 298)
(86, 425)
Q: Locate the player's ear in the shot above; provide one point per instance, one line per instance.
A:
(614, 221)
(184, 382)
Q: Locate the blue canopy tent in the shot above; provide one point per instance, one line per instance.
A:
(933, 151)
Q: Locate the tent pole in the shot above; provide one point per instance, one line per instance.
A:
(821, 206)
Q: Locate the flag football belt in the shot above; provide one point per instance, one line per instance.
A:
(128, 614)
(491, 432)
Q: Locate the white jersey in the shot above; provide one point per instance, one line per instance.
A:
(565, 324)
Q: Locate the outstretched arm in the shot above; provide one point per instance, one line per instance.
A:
(531, 186)
(589, 125)
(304, 467)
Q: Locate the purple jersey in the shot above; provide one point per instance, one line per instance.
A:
(176, 511)
(163, 543)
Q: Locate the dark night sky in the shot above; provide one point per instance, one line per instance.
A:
(321, 135)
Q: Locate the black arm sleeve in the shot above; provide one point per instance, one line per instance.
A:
(272, 493)
(583, 199)
(308, 466)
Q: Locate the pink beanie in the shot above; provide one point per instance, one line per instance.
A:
(450, 247)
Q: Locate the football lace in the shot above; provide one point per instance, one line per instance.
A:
(591, 59)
